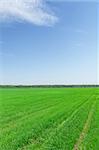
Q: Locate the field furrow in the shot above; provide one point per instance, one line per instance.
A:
(47, 118)
(85, 128)
(51, 131)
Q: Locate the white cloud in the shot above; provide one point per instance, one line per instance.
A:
(33, 11)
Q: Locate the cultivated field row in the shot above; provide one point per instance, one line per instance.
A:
(49, 119)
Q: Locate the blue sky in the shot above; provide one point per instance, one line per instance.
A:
(61, 49)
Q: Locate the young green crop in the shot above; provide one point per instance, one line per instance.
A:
(48, 118)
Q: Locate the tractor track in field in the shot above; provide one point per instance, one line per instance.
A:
(58, 127)
(36, 141)
(85, 128)
(68, 119)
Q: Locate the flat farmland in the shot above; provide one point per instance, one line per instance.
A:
(49, 118)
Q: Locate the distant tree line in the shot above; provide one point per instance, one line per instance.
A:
(47, 86)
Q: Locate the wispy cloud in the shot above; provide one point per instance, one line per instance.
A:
(81, 31)
(33, 11)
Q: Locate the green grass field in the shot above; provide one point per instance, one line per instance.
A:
(49, 119)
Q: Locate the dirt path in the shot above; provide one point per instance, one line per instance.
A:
(85, 128)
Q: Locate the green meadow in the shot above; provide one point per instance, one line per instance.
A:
(49, 118)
